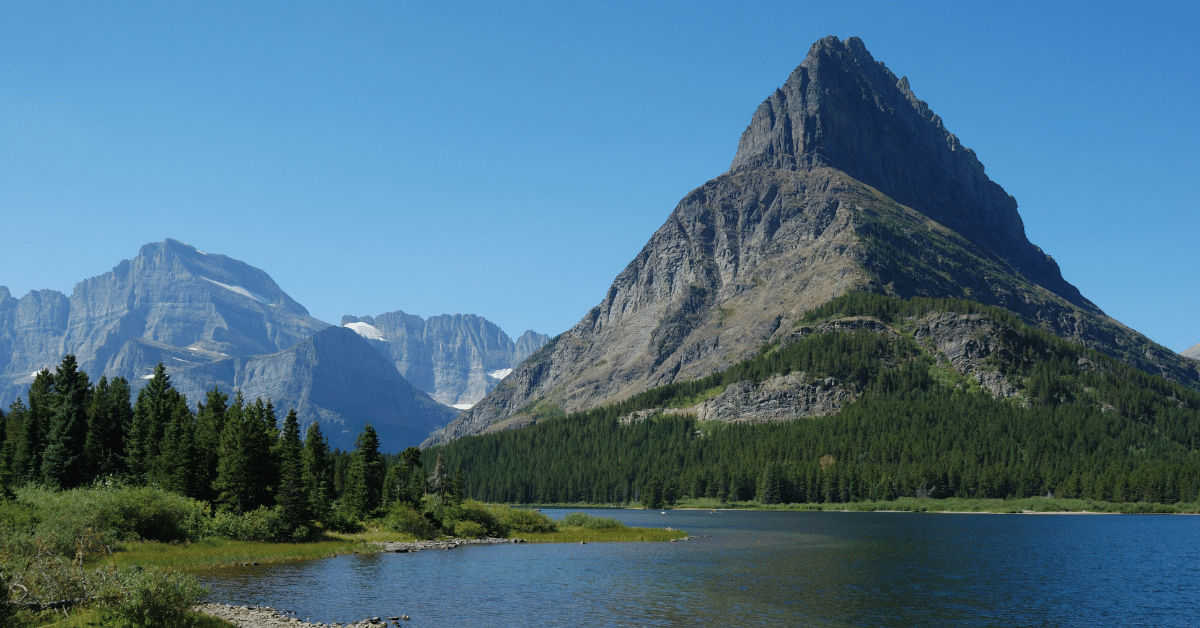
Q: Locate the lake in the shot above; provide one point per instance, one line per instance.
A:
(750, 568)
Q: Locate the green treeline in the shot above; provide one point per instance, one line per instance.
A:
(1084, 425)
(233, 454)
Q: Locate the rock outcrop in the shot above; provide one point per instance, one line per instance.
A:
(457, 359)
(1193, 352)
(843, 181)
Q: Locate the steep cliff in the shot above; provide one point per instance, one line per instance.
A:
(457, 358)
(844, 180)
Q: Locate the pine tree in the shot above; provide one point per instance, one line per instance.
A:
(210, 421)
(64, 462)
(180, 465)
(109, 416)
(151, 414)
(364, 478)
(290, 496)
(317, 472)
(439, 482)
(239, 486)
(27, 462)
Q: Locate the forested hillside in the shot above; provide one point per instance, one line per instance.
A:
(1080, 424)
(233, 454)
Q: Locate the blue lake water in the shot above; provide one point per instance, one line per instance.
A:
(772, 569)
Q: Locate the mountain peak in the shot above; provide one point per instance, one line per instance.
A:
(843, 109)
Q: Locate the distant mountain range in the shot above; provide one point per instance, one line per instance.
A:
(215, 321)
(1193, 352)
(456, 358)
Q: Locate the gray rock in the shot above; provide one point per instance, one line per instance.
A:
(843, 181)
(457, 358)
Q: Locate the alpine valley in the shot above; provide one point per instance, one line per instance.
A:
(851, 311)
(213, 321)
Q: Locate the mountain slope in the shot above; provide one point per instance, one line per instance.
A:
(457, 358)
(169, 298)
(843, 181)
(334, 377)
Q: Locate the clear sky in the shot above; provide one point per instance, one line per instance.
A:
(509, 159)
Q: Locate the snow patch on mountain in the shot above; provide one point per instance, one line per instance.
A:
(240, 290)
(366, 330)
(500, 374)
(462, 406)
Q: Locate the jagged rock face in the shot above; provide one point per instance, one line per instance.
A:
(843, 109)
(334, 377)
(843, 181)
(170, 298)
(457, 359)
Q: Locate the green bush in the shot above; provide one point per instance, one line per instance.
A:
(339, 520)
(114, 512)
(523, 520)
(469, 530)
(404, 518)
(151, 598)
(473, 511)
(589, 522)
(261, 524)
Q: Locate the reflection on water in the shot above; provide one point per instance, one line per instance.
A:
(770, 569)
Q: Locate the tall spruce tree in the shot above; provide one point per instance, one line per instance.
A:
(64, 462)
(317, 472)
(179, 466)
(210, 421)
(151, 414)
(364, 478)
(237, 485)
(290, 497)
(109, 416)
(27, 464)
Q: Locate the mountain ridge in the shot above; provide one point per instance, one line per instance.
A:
(742, 257)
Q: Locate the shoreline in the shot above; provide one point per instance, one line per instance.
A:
(268, 617)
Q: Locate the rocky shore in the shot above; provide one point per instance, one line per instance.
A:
(267, 617)
(416, 546)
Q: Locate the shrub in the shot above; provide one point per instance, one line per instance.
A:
(404, 518)
(114, 512)
(339, 520)
(589, 522)
(523, 520)
(151, 598)
(469, 530)
(261, 524)
(475, 512)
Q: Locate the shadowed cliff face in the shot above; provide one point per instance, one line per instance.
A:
(843, 181)
(843, 109)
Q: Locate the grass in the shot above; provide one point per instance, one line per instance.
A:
(91, 617)
(955, 504)
(602, 535)
(213, 553)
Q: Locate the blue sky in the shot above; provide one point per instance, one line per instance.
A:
(510, 161)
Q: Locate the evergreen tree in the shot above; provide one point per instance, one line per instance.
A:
(27, 463)
(109, 416)
(439, 482)
(364, 478)
(291, 496)
(770, 484)
(262, 449)
(210, 421)
(151, 413)
(180, 465)
(244, 447)
(64, 462)
(317, 472)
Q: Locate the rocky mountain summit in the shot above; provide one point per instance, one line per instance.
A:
(213, 321)
(844, 181)
(170, 303)
(457, 358)
(1192, 352)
